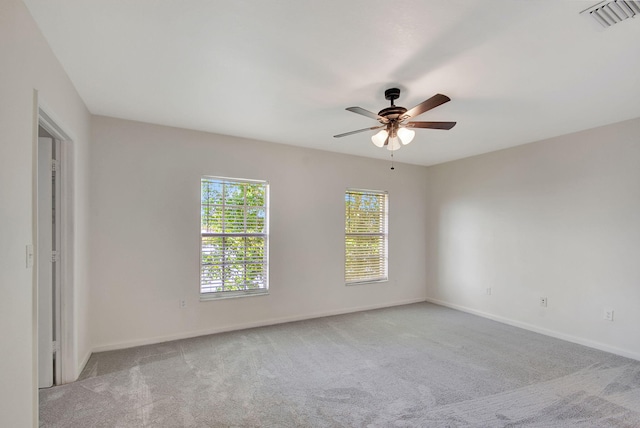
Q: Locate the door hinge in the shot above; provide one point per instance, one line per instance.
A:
(55, 256)
(54, 347)
(55, 165)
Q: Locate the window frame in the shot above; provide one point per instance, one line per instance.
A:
(383, 259)
(222, 294)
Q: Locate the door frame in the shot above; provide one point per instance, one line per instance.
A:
(66, 366)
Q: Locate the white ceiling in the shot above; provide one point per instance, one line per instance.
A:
(284, 71)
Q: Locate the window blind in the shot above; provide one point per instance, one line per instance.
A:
(234, 236)
(366, 236)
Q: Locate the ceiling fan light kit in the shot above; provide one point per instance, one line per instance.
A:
(394, 131)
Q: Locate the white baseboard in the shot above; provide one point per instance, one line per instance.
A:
(243, 326)
(531, 327)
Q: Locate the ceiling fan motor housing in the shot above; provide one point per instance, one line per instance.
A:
(391, 113)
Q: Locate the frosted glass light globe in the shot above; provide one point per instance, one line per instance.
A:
(394, 143)
(406, 135)
(379, 138)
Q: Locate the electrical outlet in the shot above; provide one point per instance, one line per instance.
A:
(183, 303)
(608, 314)
(543, 302)
(489, 291)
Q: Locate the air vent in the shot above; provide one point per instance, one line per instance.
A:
(608, 13)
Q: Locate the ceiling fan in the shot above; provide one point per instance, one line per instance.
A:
(395, 131)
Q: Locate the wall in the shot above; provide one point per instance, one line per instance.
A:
(556, 219)
(28, 64)
(145, 184)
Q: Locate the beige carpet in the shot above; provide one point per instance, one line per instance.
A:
(418, 365)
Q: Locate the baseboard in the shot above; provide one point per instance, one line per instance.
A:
(531, 327)
(243, 326)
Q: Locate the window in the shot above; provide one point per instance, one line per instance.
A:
(234, 237)
(365, 236)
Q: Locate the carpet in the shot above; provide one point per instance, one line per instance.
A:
(418, 365)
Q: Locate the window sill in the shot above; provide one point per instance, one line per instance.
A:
(205, 297)
(373, 281)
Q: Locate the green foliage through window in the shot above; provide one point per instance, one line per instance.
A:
(234, 236)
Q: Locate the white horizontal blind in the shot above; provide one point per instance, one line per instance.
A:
(365, 236)
(234, 236)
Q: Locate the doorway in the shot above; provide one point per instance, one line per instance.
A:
(55, 350)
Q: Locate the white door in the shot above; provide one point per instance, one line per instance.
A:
(45, 268)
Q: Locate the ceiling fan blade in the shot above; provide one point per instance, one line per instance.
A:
(431, 125)
(372, 115)
(359, 130)
(433, 102)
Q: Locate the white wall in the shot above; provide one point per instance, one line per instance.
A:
(145, 186)
(27, 63)
(557, 218)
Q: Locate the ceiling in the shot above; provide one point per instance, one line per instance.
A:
(284, 71)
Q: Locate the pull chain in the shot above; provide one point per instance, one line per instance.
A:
(392, 168)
